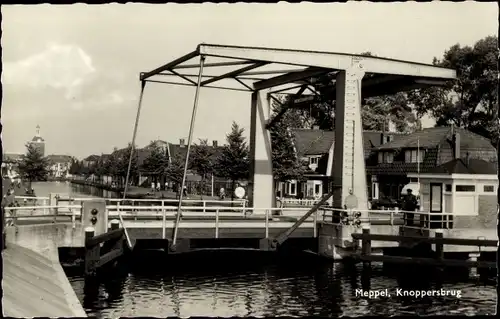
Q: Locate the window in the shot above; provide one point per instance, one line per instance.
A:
(413, 180)
(292, 188)
(313, 160)
(385, 157)
(388, 157)
(414, 156)
(317, 188)
(447, 188)
(488, 188)
(465, 188)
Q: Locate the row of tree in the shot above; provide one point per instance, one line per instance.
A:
(230, 161)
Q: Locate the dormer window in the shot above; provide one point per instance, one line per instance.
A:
(385, 157)
(313, 160)
(414, 156)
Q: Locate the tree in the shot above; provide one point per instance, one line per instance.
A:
(202, 161)
(175, 169)
(286, 164)
(156, 163)
(33, 166)
(75, 167)
(471, 101)
(233, 162)
(123, 158)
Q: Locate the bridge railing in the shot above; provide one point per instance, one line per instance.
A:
(395, 217)
(16, 215)
(163, 208)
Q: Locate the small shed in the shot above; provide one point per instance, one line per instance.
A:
(460, 187)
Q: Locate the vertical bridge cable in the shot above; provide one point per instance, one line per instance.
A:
(143, 84)
(190, 137)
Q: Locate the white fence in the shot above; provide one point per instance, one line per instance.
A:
(163, 209)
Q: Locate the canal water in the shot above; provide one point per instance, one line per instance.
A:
(257, 284)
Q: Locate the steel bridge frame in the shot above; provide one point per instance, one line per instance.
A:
(378, 76)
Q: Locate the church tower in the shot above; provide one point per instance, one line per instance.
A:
(38, 142)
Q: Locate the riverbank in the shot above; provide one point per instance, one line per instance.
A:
(36, 286)
(136, 192)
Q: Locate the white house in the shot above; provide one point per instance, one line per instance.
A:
(464, 189)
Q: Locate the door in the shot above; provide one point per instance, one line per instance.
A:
(436, 198)
(436, 205)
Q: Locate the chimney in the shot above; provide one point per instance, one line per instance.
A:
(315, 127)
(181, 142)
(214, 143)
(456, 145)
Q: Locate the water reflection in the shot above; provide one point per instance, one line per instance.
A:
(259, 285)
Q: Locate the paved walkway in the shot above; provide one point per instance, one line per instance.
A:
(36, 286)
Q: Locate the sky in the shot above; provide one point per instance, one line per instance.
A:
(74, 69)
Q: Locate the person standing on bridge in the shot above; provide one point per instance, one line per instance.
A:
(409, 205)
(351, 202)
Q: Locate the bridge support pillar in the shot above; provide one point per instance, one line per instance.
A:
(349, 165)
(261, 187)
(335, 241)
(95, 215)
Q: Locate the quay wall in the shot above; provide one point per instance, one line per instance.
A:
(34, 282)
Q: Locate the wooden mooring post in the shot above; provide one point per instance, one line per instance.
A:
(366, 256)
(103, 249)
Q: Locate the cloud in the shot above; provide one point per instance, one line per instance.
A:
(69, 70)
(58, 66)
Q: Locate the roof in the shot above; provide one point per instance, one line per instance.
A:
(312, 142)
(466, 166)
(181, 151)
(432, 137)
(37, 139)
(318, 142)
(59, 158)
(92, 158)
(390, 75)
(11, 157)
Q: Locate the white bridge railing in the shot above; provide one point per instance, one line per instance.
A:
(165, 209)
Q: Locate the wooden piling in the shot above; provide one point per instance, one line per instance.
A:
(114, 224)
(473, 270)
(92, 254)
(439, 245)
(366, 245)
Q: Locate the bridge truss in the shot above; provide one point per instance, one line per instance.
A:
(265, 72)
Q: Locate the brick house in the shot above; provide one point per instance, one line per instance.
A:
(315, 147)
(419, 153)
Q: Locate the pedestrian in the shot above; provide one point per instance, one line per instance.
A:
(409, 205)
(185, 191)
(158, 186)
(153, 187)
(166, 186)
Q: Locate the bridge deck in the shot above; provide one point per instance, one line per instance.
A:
(35, 286)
